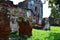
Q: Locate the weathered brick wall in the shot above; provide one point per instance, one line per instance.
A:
(4, 26)
(24, 28)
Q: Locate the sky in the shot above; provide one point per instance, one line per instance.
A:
(46, 10)
(17, 1)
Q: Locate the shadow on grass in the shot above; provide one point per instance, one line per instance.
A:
(54, 36)
(25, 37)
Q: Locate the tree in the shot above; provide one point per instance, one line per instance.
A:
(55, 8)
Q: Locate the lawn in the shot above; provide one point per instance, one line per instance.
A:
(53, 34)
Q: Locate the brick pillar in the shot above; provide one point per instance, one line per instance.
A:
(4, 27)
(24, 28)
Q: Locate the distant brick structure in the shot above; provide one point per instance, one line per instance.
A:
(24, 28)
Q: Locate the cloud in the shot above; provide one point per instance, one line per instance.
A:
(46, 10)
(17, 1)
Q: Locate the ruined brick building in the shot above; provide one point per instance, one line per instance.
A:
(4, 19)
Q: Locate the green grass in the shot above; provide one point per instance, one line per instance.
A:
(53, 34)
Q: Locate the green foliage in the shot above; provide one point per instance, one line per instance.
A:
(57, 2)
(55, 9)
(13, 34)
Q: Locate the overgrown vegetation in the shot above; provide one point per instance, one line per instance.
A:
(55, 9)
